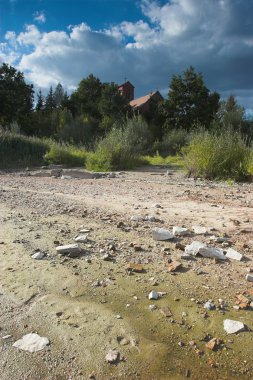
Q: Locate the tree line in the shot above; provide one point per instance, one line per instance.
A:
(95, 107)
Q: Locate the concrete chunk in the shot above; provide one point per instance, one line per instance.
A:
(180, 231)
(234, 255)
(212, 253)
(72, 249)
(198, 230)
(194, 247)
(161, 234)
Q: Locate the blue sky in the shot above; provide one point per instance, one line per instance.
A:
(146, 41)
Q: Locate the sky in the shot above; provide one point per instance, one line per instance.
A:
(145, 41)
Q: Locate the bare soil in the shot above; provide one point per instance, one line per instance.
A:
(74, 302)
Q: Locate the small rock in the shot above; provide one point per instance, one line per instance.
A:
(211, 345)
(249, 277)
(233, 327)
(6, 337)
(173, 266)
(198, 230)
(166, 312)
(194, 247)
(136, 218)
(213, 253)
(161, 234)
(209, 305)
(112, 356)
(38, 256)
(153, 295)
(81, 238)
(234, 255)
(180, 231)
(31, 342)
(72, 249)
(152, 307)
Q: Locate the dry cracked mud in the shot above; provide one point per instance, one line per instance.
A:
(86, 306)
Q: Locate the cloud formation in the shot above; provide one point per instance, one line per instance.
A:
(216, 37)
(40, 17)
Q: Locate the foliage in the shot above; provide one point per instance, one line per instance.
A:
(172, 142)
(21, 151)
(112, 103)
(121, 147)
(16, 98)
(65, 154)
(215, 155)
(189, 101)
(157, 160)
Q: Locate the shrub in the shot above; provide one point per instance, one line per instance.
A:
(64, 154)
(217, 155)
(121, 147)
(172, 142)
(21, 151)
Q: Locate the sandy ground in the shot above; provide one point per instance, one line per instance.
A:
(74, 302)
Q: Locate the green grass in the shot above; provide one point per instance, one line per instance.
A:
(65, 154)
(17, 151)
(222, 155)
(158, 160)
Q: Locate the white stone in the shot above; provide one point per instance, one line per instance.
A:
(70, 248)
(180, 231)
(31, 342)
(112, 356)
(194, 247)
(150, 218)
(38, 256)
(136, 218)
(234, 255)
(153, 295)
(249, 277)
(233, 327)
(152, 307)
(212, 253)
(161, 234)
(6, 337)
(84, 231)
(81, 238)
(198, 230)
(209, 305)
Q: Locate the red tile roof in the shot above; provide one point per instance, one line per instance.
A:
(140, 101)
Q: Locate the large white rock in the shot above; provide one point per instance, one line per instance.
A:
(234, 255)
(194, 247)
(31, 342)
(180, 231)
(212, 253)
(161, 234)
(232, 327)
(72, 249)
(153, 295)
(198, 230)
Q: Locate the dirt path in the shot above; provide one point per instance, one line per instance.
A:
(76, 302)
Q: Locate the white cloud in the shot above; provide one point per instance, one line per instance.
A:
(40, 17)
(214, 36)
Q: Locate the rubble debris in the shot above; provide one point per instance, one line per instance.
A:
(161, 234)
(213, 253)
(31, 342)
(112, 356)
(194, 247)
(73, 250)
(180, 231)
(234, 255)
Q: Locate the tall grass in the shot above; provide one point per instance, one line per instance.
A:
(216, 155)
(121, 147)
(65, 154)
(21, 151)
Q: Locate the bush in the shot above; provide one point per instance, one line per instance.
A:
(121, 147)
(17, 151)
(217, 155)
(172, 142)
(65, 154)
